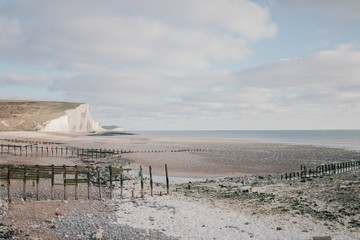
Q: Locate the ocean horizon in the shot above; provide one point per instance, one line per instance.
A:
(346, 139)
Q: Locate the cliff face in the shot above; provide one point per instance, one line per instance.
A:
(74, 120)
(46, 116)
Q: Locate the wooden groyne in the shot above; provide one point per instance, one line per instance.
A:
(59, 152)
(71, 152)
(322, 170)
(67, 176)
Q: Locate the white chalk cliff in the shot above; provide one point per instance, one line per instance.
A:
(74, 120)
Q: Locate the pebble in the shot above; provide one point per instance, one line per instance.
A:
(84, 225)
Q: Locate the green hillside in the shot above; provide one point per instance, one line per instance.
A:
(19, 115)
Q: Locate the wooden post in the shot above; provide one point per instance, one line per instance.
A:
(66, 151)
(76, 182)
(99, 180)
(37, 183)
(167, 180)
(26, 151)
(24, 184)
(88, 179)
(2, 149)
(141, 182)
(65, 193)
(8, 183)
(122, 185)
(111, 183)
(151, 182)
(20, 150)
(52, 182)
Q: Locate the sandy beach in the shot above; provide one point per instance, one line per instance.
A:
(198, 158)
(241, 195)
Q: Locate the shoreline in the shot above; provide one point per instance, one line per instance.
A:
(198, 158)
(235, 205)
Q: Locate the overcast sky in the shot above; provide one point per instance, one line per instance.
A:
(189, 64)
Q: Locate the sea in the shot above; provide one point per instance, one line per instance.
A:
(346, 139)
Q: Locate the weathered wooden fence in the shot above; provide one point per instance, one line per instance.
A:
(72, 152)
(71, 175)
(51, 151)
(325, 169)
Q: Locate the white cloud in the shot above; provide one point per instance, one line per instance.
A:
(117, 34)
(22, 80)
(292, 87)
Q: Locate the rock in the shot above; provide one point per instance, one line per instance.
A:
(99, 234)
(65, 201)
(58, 214)
(151, 218)
(279, 228)
(55, 226)
(322, 238)
(50, 220)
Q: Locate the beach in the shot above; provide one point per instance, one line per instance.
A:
(220, 189)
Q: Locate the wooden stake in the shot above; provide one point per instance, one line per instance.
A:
(151, 182)
(122, 185)
(24, 183)
(8, 180)
(37, 183)
(142, 183)
(65, 193)
(52, 182)
(167, 180)
(111, 183)
(76, 183)
(99, 180)
(88, 176)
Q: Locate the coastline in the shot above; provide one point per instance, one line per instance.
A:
(230, 202)
(199, 158)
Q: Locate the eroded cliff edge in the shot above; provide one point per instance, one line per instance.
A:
(46, 116)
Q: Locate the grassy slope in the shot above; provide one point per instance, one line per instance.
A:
(26, 115)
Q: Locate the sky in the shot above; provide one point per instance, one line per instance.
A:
(190, 64)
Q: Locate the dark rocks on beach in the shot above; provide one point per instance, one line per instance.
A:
(322, 238)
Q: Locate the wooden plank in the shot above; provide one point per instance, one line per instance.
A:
(73, 181)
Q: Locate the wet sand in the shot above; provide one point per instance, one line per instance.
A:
(196, 158)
